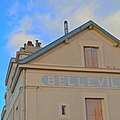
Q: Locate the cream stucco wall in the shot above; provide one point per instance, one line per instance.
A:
(70, 54)
(44, 101)
(16, 100)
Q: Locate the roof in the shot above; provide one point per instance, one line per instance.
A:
(63, 38)
(12, 60)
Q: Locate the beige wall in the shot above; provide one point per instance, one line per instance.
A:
(44, 101)
(34, 77)
(16, 100)
(71, 53)
(31, 103)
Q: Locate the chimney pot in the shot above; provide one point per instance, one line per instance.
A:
(65, 27)
(29, 43)
(38, 43)
(24, 45)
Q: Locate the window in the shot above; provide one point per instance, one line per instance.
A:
(63, 110)
(91, 56)
(94, 108)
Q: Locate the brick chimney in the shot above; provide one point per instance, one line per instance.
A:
(28, 49)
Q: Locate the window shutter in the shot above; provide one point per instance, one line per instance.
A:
(91, 57)
(94, 109)
(94, 57)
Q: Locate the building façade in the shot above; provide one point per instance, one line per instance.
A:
(76, 77)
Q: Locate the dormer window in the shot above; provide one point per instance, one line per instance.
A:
(91, 57)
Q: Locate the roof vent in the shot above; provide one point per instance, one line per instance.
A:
(65, 27)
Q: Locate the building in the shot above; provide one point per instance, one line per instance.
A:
(76, 77)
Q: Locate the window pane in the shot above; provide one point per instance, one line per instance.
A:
(94, 109)
(63, 109)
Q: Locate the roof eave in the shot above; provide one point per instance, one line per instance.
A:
(9, 68)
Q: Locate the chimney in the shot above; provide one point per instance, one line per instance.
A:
(65, 27)
(29, 43)
(28, 49)
(38, 44)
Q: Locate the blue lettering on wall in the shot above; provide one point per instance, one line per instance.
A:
(81, 81)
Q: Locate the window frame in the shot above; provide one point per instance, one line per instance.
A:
(87, 101)
(89, 43)
(104, 103)
(90, 49)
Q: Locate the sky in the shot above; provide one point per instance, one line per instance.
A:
(23, 20)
